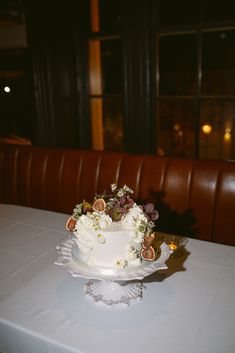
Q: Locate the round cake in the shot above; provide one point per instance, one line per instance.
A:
(114, 232)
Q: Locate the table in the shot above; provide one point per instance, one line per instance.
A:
(188, 308)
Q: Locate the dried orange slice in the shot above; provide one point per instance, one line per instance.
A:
(71, 223)
(148, 240)
(148, 254)
(99, 205)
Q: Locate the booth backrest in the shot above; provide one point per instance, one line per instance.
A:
(194, 197)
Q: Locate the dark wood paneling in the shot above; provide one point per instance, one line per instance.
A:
(139, 129)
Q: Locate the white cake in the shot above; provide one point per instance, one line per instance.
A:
(110, 248)
(113, 232)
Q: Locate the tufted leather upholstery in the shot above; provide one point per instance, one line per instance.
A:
(194, 197)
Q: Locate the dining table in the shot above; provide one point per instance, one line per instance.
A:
(189, 307)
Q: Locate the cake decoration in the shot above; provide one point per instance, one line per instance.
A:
(114, 231)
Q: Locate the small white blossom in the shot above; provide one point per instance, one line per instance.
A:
(132, 255)
(113, 187)
(99, 220)
(101, 239)
(120, 263)
(127, 189)
(120, 193)
(139, 238)
(83, 223)
(134, 217)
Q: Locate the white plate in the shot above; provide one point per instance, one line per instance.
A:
(77, 268)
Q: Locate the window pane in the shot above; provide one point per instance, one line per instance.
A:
(218, 63)
(178, 12)
(113, 123)
(111, 58)
(176, 128)
(217, 130)
(105, 69)
(111, 15)
(177, 64)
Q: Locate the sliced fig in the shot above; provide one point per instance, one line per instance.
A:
(148, 254)
(71, 223)
(148, 241)
(99, 205)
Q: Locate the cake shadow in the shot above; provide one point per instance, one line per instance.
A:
(170, 220)
(175, 263)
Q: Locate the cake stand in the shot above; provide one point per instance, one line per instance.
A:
(106, 285)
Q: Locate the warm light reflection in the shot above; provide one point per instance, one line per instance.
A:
(227, 135)
(206, 128)
(176, 127)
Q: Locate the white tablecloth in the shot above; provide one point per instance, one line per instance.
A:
(189, 308)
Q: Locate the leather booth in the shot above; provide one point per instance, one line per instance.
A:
(195, 198)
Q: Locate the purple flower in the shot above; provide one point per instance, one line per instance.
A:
(126, 202)
(150, 212)
(116, 212)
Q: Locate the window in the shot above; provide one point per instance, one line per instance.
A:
(172, 72)
(105, 77)
(195, 80)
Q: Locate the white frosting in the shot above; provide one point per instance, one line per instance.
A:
(107, 244)
(136, 219)
(113, 246)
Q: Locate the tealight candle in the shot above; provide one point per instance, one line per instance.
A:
(172, 246)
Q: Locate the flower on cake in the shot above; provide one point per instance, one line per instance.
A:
(120, 263)
(132, 255)
(136, 220)
(101, 239)
(99, 220)
(118, 206)
(83, 237)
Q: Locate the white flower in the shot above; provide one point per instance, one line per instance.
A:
(139, 238)
(120, 193)
(84, 239)
(113, 187)
(134, 217)
(120, 263)
(132, 255)
(101, 239)
(99, 220)
(105, 220)
(127, 189)
(83, 222)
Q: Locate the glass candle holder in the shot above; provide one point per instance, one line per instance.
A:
(175, 243)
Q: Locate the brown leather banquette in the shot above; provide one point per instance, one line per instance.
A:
(195, 198)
